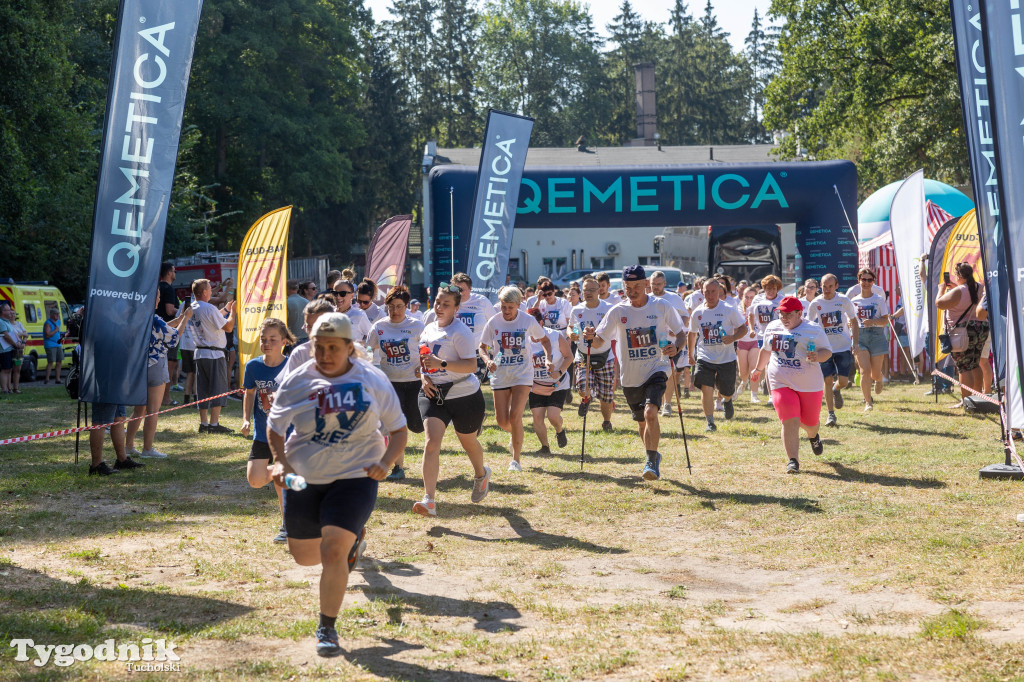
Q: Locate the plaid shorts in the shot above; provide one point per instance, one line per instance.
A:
(601, 382)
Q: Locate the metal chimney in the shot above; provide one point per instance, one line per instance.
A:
(646, 109)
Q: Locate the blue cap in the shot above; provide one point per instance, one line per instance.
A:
(633, 273)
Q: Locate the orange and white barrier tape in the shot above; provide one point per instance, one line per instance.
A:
(65, 432)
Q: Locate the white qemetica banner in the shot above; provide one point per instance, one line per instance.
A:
(908, 220)
(1014, 400)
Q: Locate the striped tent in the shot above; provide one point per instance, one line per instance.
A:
(879, 255)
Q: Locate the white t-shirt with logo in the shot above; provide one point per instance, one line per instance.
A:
(584, 317)
(788, 366)
(638, 331)
(360, 323)
(299, 356)
(539, 359)
(512, 339)
(870, 308)
(336, 420)
(473, 312)
(694, 299)
(454, 342)
(396, 347)
(711, 326)
(764, 311)
(207, 324)
(832, 317)
(556, 315)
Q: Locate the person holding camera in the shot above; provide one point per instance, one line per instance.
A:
(965, 334)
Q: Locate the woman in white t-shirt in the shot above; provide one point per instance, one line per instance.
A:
(395, 342)
(450, 394)
(872, 344)
(762, 311)
(336, 405)
(550, 382)
(505, 349)
(791, 351)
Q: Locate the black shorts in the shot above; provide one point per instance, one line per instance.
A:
(188, 361)
(465, 414)
(408, 393)
(346, 503)
(721, 376)
(649, 393)
(7, 359)
(211, 380)
(172, 354)
(556, 399)
(261, 450)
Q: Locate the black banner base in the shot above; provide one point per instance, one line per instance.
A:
(1002, 471)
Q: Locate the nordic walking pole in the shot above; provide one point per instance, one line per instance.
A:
(917, 379)
(679, 407)
(586, 401)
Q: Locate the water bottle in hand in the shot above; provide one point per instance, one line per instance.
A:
(294, 482)
(424, 352)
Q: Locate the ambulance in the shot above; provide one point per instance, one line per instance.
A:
(33, 302)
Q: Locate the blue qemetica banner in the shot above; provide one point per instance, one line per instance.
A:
(1004, 56)
(503, 156)
(149, 75)
(970, 62)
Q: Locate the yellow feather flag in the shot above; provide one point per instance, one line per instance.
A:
(262, 277)
(963, 246)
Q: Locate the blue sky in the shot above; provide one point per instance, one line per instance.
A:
(734, 16)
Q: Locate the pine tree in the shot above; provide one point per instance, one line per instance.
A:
(763, 61)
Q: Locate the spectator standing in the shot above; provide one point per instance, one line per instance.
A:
(22, 335)
(209, 327)
(959, 297)
(167, 310)
(163, 337)
(8, 344)
(52, 345)
(297, 300)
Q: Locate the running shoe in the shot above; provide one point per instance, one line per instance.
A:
(719, 407)
(562, 439)
(133, 451)
(730, 410)
(686, 393)
(793, 467)
(607, 426)
(397, 474)
(754, 398)
(817, 447)
(651, 469)
(869, 407)
(102, 469)
(831, 421)
(710, 428)
(837, 394)
(515, 466)
(543, 450)
(178, 388)
(481, 487)
(282, 536)
(327, 642)
(582, 409)
(128, 463)
(356, 553)
(665, 410)
(204, 428)
(218, 428)
(425, 507)
(152, 454)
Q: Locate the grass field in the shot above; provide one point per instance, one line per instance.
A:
(886, 558)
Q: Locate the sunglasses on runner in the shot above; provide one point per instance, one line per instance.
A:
(449, 288)
(364, 302)
(867, 279)
(343, 294)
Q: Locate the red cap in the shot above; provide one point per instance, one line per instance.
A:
(790, 304)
